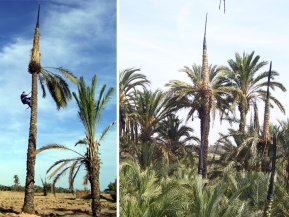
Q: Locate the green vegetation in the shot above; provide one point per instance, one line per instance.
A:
(167, 170)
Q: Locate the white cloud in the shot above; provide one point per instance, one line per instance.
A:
(72, 36)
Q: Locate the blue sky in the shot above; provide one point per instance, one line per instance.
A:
(78, 36)
(161, 36)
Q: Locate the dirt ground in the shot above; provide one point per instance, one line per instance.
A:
(61, 205)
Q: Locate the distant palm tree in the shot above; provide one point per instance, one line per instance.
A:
(129, 82)
(176, 136)
(246, 84)
(59, 91)
(151, 108)
(239, 150)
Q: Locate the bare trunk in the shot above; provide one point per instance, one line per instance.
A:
(121, 124)
(287, 178)
(94, 182)
(268, 207)
(207, 95)
(266, 141)
(201, 151)
(136, 132)
(28, 206)
(34, 68)
(132, 136)
(243, 115)
(256, 119)
(266, 134)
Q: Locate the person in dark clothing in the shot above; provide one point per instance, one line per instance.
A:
(25, 99)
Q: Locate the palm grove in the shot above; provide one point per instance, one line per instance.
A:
(168, 170)
(90, 112)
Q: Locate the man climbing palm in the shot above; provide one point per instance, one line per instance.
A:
(25, 99)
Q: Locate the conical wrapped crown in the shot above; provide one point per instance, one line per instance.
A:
(205, 65)
(34, 65)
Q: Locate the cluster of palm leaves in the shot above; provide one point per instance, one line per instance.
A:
(90, 111)
(160, 154)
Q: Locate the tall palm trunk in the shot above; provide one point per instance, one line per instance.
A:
(205, 118)
(256, 119)
(34, 69)
(268, 207)
(266, 134)
(136, 132)
(204, 112)
(265, 140)
(120, 121)
(243, 114)
(94, 180)
(287, 178)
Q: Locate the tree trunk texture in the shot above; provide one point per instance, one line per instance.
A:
(266, 138)
(270, 193)
(34, 68)
(132, 136)
(121, 123)
(94, 182)
(201, 150)
(136, 132)
(205, 127)
(243, 115)
(287, 178)
(256, 119)
(28, 206)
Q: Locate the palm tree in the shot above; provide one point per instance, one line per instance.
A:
(129, 82)
(59, 91)
(205, 94)
(194, 96)
(238, 151)
(241, 75)
(90, 111)
(176, 136)
(151, 108)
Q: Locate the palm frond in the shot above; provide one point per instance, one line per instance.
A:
(105, 131)
(81, 142)
(54, 146)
